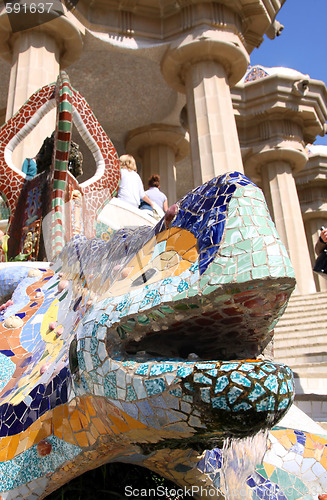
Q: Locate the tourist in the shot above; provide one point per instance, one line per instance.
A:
(320, 265)
(321, 244)
(131, 188)
(29, 167)
(155, 194)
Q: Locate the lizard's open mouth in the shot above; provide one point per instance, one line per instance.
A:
(233, 325)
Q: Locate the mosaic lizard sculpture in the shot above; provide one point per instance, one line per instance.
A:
(123, 350)
(146, 349)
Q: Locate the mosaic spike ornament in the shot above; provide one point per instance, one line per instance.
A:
(73, 207)
(145, 346)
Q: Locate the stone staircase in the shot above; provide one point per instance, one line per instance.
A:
(301, 343)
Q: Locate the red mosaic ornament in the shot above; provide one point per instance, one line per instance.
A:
(44, 448)
(28, 201)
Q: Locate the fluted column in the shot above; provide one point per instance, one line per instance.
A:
(283, 202)
(36, 56)
(159, 148)
(215, 146)
(205, 65)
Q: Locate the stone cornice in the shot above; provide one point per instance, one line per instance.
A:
(174, 137)
(65, 29)
(303, 101)
(162, 21)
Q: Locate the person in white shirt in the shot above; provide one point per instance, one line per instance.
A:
(131, 188)
(155, 194)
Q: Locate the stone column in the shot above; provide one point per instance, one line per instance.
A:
(281, 195)
(205, 65)
(159, 147)
(36, 56)
(215, 146)
(35, 63)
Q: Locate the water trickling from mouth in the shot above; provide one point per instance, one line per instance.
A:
(239, 459)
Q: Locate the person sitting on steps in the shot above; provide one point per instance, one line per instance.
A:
(155, 194)
(131, 188)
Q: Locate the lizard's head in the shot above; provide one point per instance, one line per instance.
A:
(173, 307)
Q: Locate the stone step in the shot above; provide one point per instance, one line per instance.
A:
(301, 308)
(303, 313)
(317, 304)
(308, 370)
(300, 341)
(311, 342)
(297, 359)
(301, 329)
(308, 297)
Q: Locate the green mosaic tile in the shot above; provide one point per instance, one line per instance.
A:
(64, 126)
(257, 203)
(237, 251)
(232, 236)
(245, 245)
(247, 221)
(61, 145)
(277, 272)
(193, 291)
(230, 268)
(234, 222)
(256, 194)
(269, 240)
(265, 231)
(244, 202)
(259, 221)
(64, 106)
(274, 249)
(244, 263)
(166, 309)
(181, 307)
(260, 272)
(183, 295)
(216, 268)
(300, 486)
(222, 298)
(259, 258)
(261, 470)
(245, 210)
(249, 232)
(238, 193)
(257, 244)
(221, 279)
(259, 210)
(240, 278)
(143, 320)
(282, 478)
(275, 260)
(209, 289)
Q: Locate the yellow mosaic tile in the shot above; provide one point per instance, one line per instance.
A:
(81, 439)
(268, 468)
(14, 442)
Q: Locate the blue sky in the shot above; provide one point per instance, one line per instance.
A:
(302, 44)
